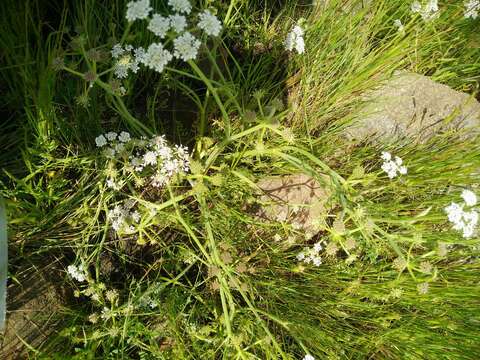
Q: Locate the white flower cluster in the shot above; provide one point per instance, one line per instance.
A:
(398, 24)
(186, 47)
(112, 137)
(138, 10)
(472, 8)
(209, 23)
(178, 22)
(392, 167)
(181, 6)
(77, 273)
(311, 255)
(465, 221)
(117, 144)
(159, 25)
(295, 40)
(123, 218)
(154, 158)
(308, 357)
(156, 57)
(126, 60)
(161, 160)
(428, 12)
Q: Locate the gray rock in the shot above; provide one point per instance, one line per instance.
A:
(298, 200)
(415, 108)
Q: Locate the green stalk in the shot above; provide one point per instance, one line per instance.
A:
(229, 12)
(214, 92)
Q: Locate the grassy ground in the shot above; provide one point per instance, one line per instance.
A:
(203, 278)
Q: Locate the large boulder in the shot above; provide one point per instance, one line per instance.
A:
(413, 107)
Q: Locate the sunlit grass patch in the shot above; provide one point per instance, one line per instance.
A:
(146, 145)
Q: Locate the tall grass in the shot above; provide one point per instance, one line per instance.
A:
(203, 278)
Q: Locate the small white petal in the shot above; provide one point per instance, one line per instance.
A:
(469, 197)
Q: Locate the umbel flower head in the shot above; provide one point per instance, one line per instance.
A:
(295, 40)
(209, 23)
(178, 22)
(77, 272)
(181, 6)
(428, 12)
(469, 197)
(311, 255)
(173, 27)
(186, 47)
(159, 25)
(398, 24)
(157, 57)
(393, 167)
(126, 61)
(138, 10)
(153, 160)
(462, 220)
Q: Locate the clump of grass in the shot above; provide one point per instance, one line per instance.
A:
(201, 276)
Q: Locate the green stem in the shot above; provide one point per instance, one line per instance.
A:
(125, 33)
(229, 12)
(73, 71)
(213, 90)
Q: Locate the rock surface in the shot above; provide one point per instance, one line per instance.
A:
(413, 107)
(298, 199)
(31, 315)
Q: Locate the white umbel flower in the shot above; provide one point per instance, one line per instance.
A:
(139, 58)
(117, 50)
(100, 141)
(465, 221)
(416, 7)
(308, 357)
(393, 167)
(186, 47)
(159, 25)
(454, 212)
(472, 8)
(138, 10)
(398, 24)
(178, 22)
(126, 61)
(469, 197)
(311, 255)
(111, 136)
(209, 23)
(431, 6)
(428, 12)
(386, 156)
(124, 137)
(181, 6)
(76, 273)
(157, 57)
(150, 158)
(113, 185)
(471, 221)
(295, 40)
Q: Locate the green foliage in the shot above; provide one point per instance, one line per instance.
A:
(204, 277)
